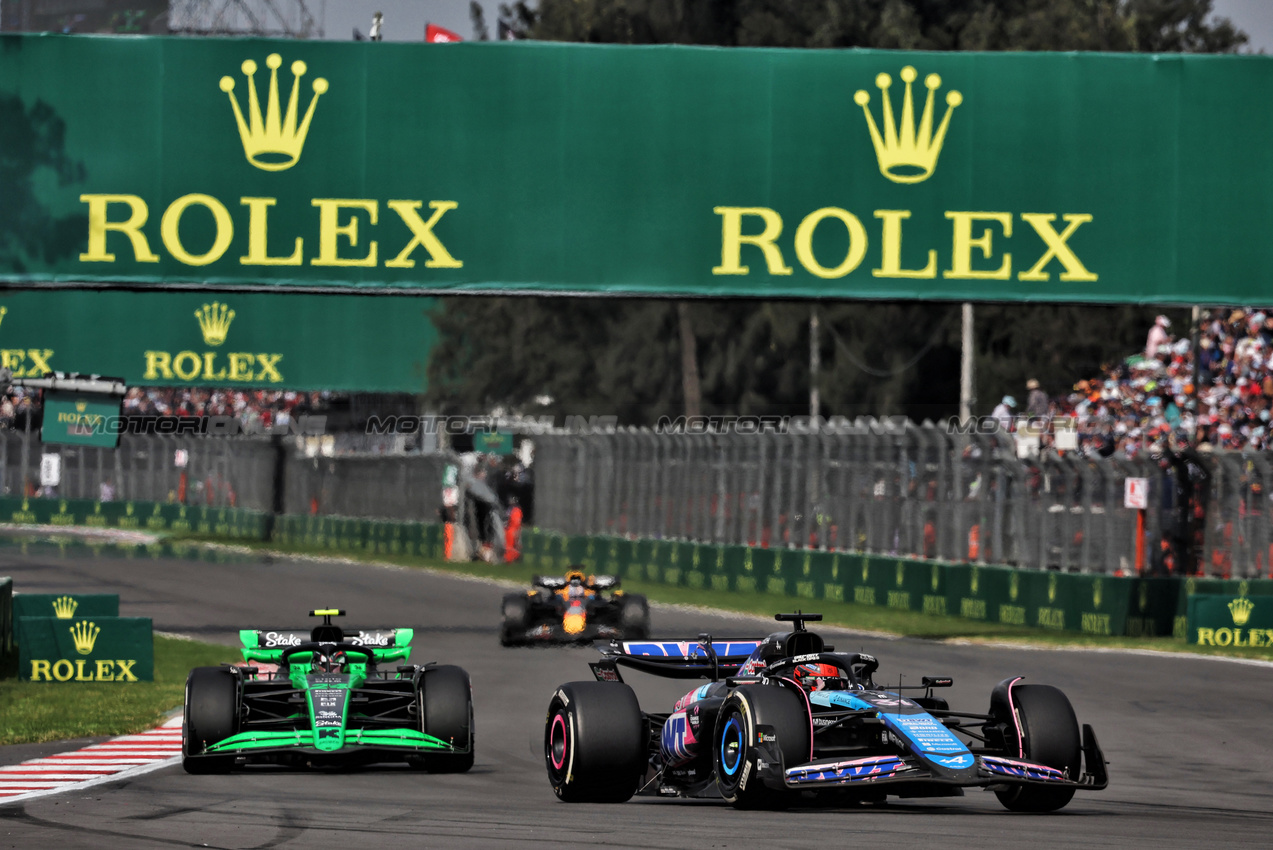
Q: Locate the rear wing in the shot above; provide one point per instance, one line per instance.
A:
(268, 644)
(673, 659)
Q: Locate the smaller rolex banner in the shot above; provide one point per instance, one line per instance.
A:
(199, 339)
(6, 616)
(65, 606)
(1221, 620)
(81, 419)
(86, 649)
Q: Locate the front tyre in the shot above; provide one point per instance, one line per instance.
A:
(446, 713)
(1049, 736)
(735, 750)
(211, 715)
(516, 611)
(595, 743)
(634, 617)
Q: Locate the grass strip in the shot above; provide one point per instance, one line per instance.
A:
(869, 618)
(35, 712)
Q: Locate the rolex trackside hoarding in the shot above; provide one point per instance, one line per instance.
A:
(100, 649)
(239, 339)
(1221, 620)
(65, 606)
(661, 169)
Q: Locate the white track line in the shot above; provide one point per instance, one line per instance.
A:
(119, 758)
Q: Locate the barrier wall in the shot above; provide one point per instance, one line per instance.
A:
(1088, 603)
(1076, 602)
(137, 516)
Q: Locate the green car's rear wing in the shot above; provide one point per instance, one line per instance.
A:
(268, 645)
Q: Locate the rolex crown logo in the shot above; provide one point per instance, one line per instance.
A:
(1241, 609)
(85, 635)
(273, 142)
(81, 406)
(64, 607)
(214, 321)
(4, 311)
(906, 155)
(1052, 588)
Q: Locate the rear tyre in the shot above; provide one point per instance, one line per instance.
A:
(634, 617)
(595, 743)
(1050, 736)
(446, 713)
(211, 715)
(516, 609)
(735, 751)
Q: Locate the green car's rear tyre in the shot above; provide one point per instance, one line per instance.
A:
(595, 743)
(446, 712)
(1049, 736)
(211, 715)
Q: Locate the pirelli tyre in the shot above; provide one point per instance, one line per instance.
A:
(445, 701)
(744, 712)
(634, 617)
(595, 743)
(516, 619)
(211, 715)
(1049, 735)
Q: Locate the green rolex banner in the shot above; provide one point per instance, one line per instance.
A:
(80, 419)
(548, 167)
(1222, 620)
(65, 606)
(98, 649)
(225, 340)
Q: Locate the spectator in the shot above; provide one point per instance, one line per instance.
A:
(1036, 404)
(1003, 412)
(1157, 336)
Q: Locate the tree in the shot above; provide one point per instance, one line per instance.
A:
(623, 357)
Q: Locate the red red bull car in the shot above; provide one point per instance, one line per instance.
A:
(574, 608)
(787, 718)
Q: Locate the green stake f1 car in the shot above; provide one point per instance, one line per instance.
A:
(320, 697)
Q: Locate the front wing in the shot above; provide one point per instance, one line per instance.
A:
(892, 773)
(393, 743)
(554, 632)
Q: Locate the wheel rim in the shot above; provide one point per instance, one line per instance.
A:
(557, 742)
(731, 747)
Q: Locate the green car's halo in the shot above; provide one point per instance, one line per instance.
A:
(327, 695)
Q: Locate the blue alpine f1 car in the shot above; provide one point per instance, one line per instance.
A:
(787, 718)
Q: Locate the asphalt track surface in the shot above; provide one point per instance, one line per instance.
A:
(1190, 741)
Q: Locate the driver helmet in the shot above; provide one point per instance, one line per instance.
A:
(819, 677)
(576, 583)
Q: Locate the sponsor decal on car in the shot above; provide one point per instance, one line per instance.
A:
(854, 770)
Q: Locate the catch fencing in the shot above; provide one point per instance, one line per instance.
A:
(217, 472)
(878, 487)
(893, 487)
(229, 472)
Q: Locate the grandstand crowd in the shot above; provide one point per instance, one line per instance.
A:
(1170, 396)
